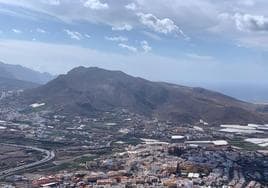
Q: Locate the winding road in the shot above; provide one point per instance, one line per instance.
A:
(49, 156)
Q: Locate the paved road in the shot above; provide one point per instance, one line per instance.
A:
(49, 156)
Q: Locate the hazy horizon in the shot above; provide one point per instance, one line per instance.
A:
(249, 92)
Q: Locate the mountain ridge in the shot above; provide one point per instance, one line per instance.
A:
(7, 84)
(83, 91)
(21, 73)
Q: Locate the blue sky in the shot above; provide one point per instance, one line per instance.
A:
(193, 41)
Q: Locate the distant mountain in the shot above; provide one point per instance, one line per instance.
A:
(5, 74)
(13, 84)
(21, 73)
(85, 91)
(9, 82)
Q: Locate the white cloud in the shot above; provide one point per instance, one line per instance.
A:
(145, 46)
(96, 5)
(195, 18)
(39, 30)
(165, 26)
(51, 2)
(259, 42)
(152, 35)
(124, 27)
(128, 47)
(57, 59)
(247, 2)
(248, 22)
(87, 36)
(17, 31)
(199, 57)
(74, 34)
(117, 39)
(176, 14)
(131, 6)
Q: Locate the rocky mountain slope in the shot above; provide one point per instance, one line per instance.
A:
(84, 91)
(19, 72)
(8, 82)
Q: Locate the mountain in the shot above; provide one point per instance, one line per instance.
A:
(9, 82)
(85, 91)
(21, 73)
(13, 84)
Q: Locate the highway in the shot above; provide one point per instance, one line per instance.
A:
(49, 156)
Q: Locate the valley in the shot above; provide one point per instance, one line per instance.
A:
(133, 94)
(122, 147)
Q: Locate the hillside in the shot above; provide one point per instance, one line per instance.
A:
(19, 72)
(13, 84)
(9, 82)
(84, 91)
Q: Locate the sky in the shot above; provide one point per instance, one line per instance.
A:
(179, 41)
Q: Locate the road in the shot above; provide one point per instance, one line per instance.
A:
(49, 156)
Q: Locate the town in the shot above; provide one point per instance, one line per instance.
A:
(133, 94)
(119, 148)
